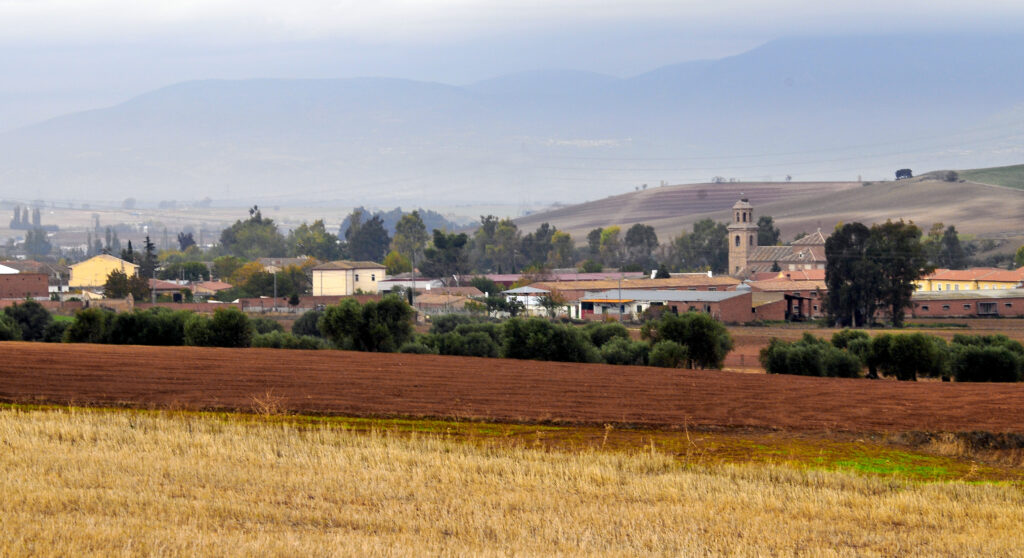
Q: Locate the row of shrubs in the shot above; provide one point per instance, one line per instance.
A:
(689, 340)
(968, 358)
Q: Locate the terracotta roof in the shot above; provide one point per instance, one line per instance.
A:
(457, 291)
(158, 285)
(440, 300)
(212, 285)
(345, 264)
(792, 275)
(975, 274)
(788, 285)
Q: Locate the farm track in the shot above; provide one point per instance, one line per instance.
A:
(368, 384)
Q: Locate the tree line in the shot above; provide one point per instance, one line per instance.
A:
(906, 357)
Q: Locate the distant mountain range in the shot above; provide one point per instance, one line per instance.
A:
(814, 108)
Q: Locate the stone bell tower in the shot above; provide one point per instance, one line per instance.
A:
(742, 235)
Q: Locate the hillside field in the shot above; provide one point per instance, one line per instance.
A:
(974, 208)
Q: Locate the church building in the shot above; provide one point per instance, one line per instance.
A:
(747, 258)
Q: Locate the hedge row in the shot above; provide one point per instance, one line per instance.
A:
(968, 358)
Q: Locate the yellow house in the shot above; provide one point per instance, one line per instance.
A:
(94, 271)
(343, 278)
(974, 279)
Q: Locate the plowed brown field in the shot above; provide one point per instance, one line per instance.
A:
(350, 383)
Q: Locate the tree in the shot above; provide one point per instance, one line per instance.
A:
(410, 237)
(552, 302)
(641, 242)
(1018, 258)
(707, 341)
(706, 247)
(185, 240)
(662, 272)
(536, 246)
(767, 233)
(31, 318)
(397, 263)
(375, 326)
(594, 242)
(446, 256)
(119, 285)
(36, 243)
(128, 254)
(852, 277)
(188, 271)
(562, 250)
(904, 173)
(951, 252)
(253, 238)
(228, 327)
(225, 266)
(504, 247)
(901, 261)
(147, 265)
(611, 250)
(367, 241)
(314, 241)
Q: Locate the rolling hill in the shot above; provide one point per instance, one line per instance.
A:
(974, 208)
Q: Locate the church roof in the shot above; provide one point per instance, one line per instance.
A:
(813, 239)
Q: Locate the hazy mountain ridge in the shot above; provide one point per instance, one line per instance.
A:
(551, 135)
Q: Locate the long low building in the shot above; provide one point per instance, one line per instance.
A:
(987, 303)
(725, 306)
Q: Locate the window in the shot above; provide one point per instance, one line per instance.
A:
(815, 307)
(357, 276)
(737, 240)
(956, 287)
(712, 288)
(639, 309)
(924, 307)
(947, 287)
(1009, 305)
(945, 307)
(751, 240)
(373, 277)
(967, 306)
(939, 287)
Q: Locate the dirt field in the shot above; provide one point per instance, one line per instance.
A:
(365, 384)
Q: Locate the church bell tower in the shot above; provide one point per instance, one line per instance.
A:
(742, 235)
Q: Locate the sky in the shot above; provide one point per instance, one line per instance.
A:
(60, 56)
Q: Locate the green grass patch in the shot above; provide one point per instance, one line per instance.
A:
(1012, 176)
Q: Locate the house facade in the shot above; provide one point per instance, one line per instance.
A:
(630, 304)
(974, 279)
(24, 285)
(343, 278)
(988, 303)
(93, 272)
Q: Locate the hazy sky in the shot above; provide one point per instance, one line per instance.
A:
(58, 56)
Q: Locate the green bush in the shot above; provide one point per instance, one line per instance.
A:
(908, 356)
(603, 332)
(842, 338)
(446, 323)
(810, 356)
(669, 354)
(979, 363)
(624, 351)
(476, 343)
(228, 327)
(707, 341)
(492, 329)
(538, 339)
(31, 318)
(9, 330)
(90, 326)
(416, 348)
(265, 325)
(283, 340)
(156, 326)
(375, 326)
(55, 331)
(307, 324)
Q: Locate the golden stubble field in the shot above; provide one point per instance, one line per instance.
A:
(123, 484)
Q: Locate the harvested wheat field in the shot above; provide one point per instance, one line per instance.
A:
(370, 384)
(84, 483)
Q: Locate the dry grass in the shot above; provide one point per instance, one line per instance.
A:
(107, 483)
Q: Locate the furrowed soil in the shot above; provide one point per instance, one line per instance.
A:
(375, 385)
